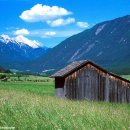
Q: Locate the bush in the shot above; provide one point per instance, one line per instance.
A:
(2, 76)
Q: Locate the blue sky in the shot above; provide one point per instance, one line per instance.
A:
(49, 22)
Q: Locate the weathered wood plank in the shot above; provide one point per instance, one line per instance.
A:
(93, 84)
(107, 87)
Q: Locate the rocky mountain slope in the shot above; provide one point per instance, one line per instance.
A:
(107, 43)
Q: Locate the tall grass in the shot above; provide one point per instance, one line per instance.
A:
(28, 111)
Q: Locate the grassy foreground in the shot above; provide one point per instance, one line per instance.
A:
(33, 106)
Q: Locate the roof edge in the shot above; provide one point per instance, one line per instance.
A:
(95, 65)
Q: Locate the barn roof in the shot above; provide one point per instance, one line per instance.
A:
(79, 64)
(68, 69)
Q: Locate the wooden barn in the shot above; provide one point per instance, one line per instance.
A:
(86, 80)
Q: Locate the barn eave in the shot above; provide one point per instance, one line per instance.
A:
(71, 68)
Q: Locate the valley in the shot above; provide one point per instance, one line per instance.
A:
(64, 65)
(104, 44)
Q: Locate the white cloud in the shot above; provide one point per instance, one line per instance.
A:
(22, 32)
(31, 43)
(83, 24)
(52, 15)
(43, 33)
(49, 34)
(61, 22)
(43, 13)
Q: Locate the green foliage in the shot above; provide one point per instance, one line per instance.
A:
(26, 78)
(2, 76)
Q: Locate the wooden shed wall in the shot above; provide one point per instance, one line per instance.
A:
(91, 83)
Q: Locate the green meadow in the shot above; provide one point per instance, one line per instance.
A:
(30, 104)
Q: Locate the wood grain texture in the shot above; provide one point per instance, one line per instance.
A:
(91, 83)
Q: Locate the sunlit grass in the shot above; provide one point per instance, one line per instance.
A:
(39, 88)
(33, 106)
(30, 111)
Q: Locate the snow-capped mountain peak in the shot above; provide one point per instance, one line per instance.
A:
(5, 38)
(31, 43)
(20, 40)
(18, 50)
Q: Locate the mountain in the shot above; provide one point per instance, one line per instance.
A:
(13, 54)
(107, 43)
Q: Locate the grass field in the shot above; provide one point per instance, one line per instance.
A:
(38, 88)
(33, 106)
